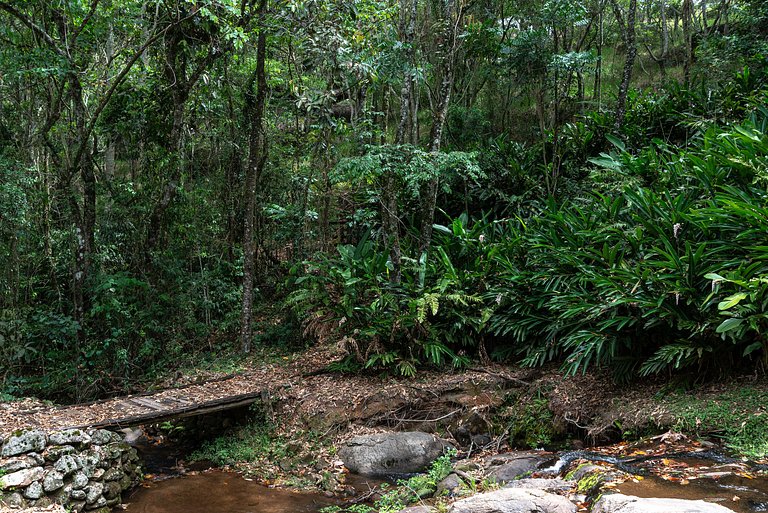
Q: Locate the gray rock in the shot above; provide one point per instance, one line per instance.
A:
(53, 480)
(91, 460)
(37, 457)
(14, 501)
(114, 450)
(34, 491)
(25, 441)
(112, 490)
(102, 437)
(100, 503)
(514, 500)
(391, 453)
(467, 466)
(22, 478)
(514, 467)
(69, 437)
(113, 474)
(54, 452)
(78, 495)
(93, 492)
(449, 485)
(125, 483)
(546, 485)
(67, 464)
(17, 463)
(45, 502)
(416, 509)
(80, 481)
(618, 503)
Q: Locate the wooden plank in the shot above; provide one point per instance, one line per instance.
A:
(153, 417)
(174, 401)
(149, 403)
(153, 392)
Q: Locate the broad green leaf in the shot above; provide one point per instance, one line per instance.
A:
(729, 324)
(731, 301)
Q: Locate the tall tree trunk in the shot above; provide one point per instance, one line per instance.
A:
(630, 43)
(664, 38)
(389, 210)
(688, 36)
(257, 156)
(85, 214)
(451, 18)
(181, 83)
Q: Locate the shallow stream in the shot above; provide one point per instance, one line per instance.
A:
(216, 491)
(174, 489)
(219, 492)
(741, 494)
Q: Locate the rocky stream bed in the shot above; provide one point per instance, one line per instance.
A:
(669, 474)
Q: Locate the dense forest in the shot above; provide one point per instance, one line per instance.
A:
(425, 182)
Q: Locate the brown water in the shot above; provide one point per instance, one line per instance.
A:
(219, 492)
(737, 493)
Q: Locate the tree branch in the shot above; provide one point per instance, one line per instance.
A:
(87, 18)
(33, 27)
(119, 80)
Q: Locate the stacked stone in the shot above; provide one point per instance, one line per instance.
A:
(79, 469)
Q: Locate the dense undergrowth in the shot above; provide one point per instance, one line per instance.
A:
(651, 258)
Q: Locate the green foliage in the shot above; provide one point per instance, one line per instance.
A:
(416, 488)
(255, 442)
(662, 266)
(738, 417)
(432, 316)
(529, 422)
(406, 492)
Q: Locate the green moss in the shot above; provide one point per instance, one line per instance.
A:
(590, 483)
(570, 475)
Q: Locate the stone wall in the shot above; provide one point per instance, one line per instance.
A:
(84, 470)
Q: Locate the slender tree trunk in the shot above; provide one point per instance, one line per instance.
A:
(451, 18)
(390, 216)
(688, 36)
(257, 156)
(154, 230)
(664, 39)
(85, 225)
(630, 44)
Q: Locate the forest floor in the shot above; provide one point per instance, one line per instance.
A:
(508, 405)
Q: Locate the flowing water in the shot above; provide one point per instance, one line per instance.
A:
(175, 490)
(738, 493)
(219, 492)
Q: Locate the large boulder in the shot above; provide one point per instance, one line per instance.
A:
(514, 500)
(618, 503)
(391, 453)
(508, 467)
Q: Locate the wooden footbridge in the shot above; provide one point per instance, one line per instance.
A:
(149, 408)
